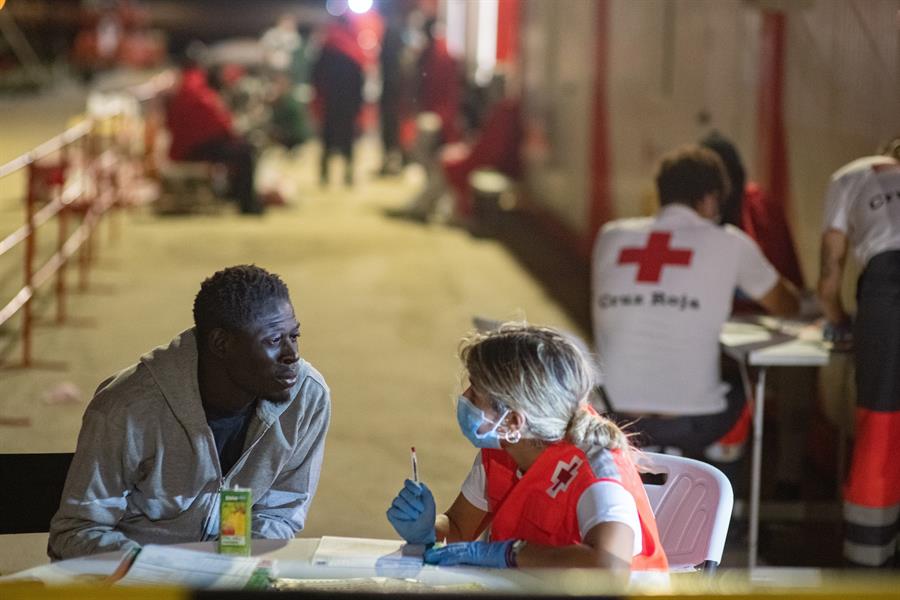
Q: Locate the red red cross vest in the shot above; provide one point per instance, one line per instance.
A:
(541, 507)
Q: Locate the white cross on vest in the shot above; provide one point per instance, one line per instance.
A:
(563, 475)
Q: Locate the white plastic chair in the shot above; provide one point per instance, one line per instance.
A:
(692, 505)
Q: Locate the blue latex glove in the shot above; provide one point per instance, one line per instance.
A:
(482, 554)
(412, 513)
(840, 334)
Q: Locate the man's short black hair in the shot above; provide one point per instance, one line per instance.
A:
(688, 173)
(232, 297)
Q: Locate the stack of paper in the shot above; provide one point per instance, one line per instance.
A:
(157, 565)
(367, 553)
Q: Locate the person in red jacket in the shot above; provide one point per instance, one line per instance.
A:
(553, 478)
(438, 86)
(201, 129)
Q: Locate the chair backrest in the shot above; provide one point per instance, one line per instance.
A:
(32, 486)
(692, 502)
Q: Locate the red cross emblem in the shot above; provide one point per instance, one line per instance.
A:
(563, 475)
(655, 256)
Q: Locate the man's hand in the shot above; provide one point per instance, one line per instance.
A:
(497, 555)
(412, 513)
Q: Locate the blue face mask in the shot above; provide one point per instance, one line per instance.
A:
(471, 419)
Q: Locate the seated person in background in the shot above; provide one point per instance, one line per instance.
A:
(201, 130)
(287, 125)
(662, 289)
(227, 403)
(495, 145)
(554, 480)
(762, 217)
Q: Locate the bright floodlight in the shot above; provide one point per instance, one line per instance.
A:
(360, 6)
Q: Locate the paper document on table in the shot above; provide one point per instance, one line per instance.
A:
(741, 334)
(193, 569)
(382, 585)
(363, 552)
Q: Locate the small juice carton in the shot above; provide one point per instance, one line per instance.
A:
(235, 515)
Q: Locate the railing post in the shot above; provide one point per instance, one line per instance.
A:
(27, 325)
(120, 158)
(88, 173)
(61, 241)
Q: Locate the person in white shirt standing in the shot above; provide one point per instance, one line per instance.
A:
(862, 208)
(662, 289)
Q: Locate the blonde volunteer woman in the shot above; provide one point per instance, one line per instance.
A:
(554, 480)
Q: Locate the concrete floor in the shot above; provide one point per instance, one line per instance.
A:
(382, 304)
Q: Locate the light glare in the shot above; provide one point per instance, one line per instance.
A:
(360, 6)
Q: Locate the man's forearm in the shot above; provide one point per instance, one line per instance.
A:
(831, 272)
(830, 297)
(83, 538)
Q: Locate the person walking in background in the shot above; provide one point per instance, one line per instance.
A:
(338, 79)
(438, 83)
(390, 59)
(862, 209)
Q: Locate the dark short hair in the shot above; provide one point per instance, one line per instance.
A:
(687, 174)
(232, 297)
(737, 177)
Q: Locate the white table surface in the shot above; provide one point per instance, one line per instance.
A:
(769, 342)
(294, 562)
(764, 342)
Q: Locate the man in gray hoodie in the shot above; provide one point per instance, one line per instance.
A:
(226, 403)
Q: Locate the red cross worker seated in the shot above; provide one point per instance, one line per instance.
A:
(553, 479)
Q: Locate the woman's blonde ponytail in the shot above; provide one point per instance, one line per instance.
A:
(588, 429)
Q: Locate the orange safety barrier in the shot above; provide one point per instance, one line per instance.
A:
(82, 172)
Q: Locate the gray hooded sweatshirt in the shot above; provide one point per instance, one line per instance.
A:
(146, 469)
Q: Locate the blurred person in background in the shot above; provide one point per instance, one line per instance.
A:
(862, 210)
(201, 129)
(662, 289)
(280, 42)
(393, 47)
(438, 86)
(494, 144)
(338, 80)
(287, 124)
(762, 217)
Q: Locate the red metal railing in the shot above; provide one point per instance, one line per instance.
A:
(76, 174)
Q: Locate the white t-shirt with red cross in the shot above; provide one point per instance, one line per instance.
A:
(662, 289)
(863, 201)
